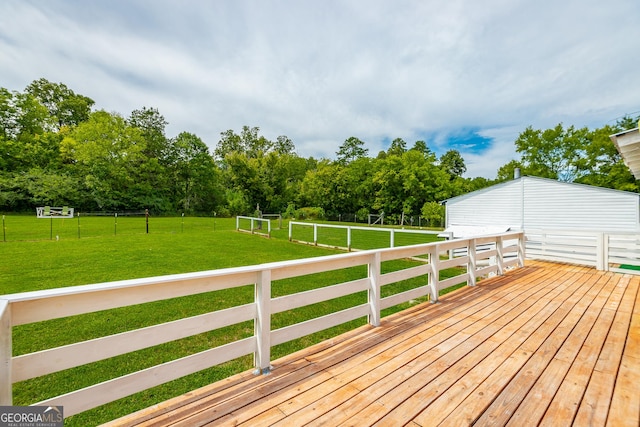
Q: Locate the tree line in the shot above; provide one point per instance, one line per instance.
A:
(58, 150)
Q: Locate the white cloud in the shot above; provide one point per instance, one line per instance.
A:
(320, 72)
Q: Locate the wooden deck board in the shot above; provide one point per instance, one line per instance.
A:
(549, 343)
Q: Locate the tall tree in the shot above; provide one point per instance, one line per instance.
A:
(453, 163)
(350, 150)
(195, 175)
(397, 147)
(106, 154)
(152, 124)
(66, 107)
(553, 153)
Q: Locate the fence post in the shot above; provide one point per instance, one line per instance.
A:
(6, 398)
(290, 230)
(315, 234)
(349, 239)
(262, 355)
(393, 238)
(434, 277)
(374, 289)
(471, 265)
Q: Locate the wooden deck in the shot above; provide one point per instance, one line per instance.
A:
(549, 344)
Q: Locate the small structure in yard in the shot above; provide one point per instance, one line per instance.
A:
(54, 212)
(532, 203)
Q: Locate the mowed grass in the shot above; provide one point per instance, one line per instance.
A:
(197, 244)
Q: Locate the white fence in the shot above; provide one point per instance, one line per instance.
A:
(256, 225)
(604, 251)
(316, 227)
(498, 253)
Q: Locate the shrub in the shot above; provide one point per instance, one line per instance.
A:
(310, 213)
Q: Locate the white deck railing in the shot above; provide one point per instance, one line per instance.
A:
(604, 251)
(481, 257)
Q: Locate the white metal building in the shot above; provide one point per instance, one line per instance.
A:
(531, 203)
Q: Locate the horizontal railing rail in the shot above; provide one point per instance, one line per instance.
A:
(495, 254)
(348, 230)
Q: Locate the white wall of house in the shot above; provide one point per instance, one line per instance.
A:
(538, 203)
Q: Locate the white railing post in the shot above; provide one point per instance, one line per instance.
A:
(600, 252)
(471, 265)
(434, 276)
(6, 398)
(605, 251)
(349, 239)
(262, 355)
(374, 289)
(290, 230)
(237, 223)
(500, 255)
(522, 249)
(269, 227)
(315, 234)
(392, 238)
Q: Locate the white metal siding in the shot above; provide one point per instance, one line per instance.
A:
(537, 203)
(551, 205)
(497, 206)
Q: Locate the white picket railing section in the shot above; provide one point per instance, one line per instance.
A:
(480, 257)
(605, 251)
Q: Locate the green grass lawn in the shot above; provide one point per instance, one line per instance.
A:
(173, 245)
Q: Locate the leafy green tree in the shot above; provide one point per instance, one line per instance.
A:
(421, 147)
(106, 154)
(434, 213)
(553, 153)
(64, 106)
(404, 184)
(507, 171)
(397, 147)
(195, 176)
(453, 163)
(602, 165)
(284, 145)
(350, 150)
(152, 125)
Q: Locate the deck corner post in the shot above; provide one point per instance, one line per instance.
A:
(6, 383)
(522, 248)
(374, 289)
(262, 356)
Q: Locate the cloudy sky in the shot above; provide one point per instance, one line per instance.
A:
(468, 75)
